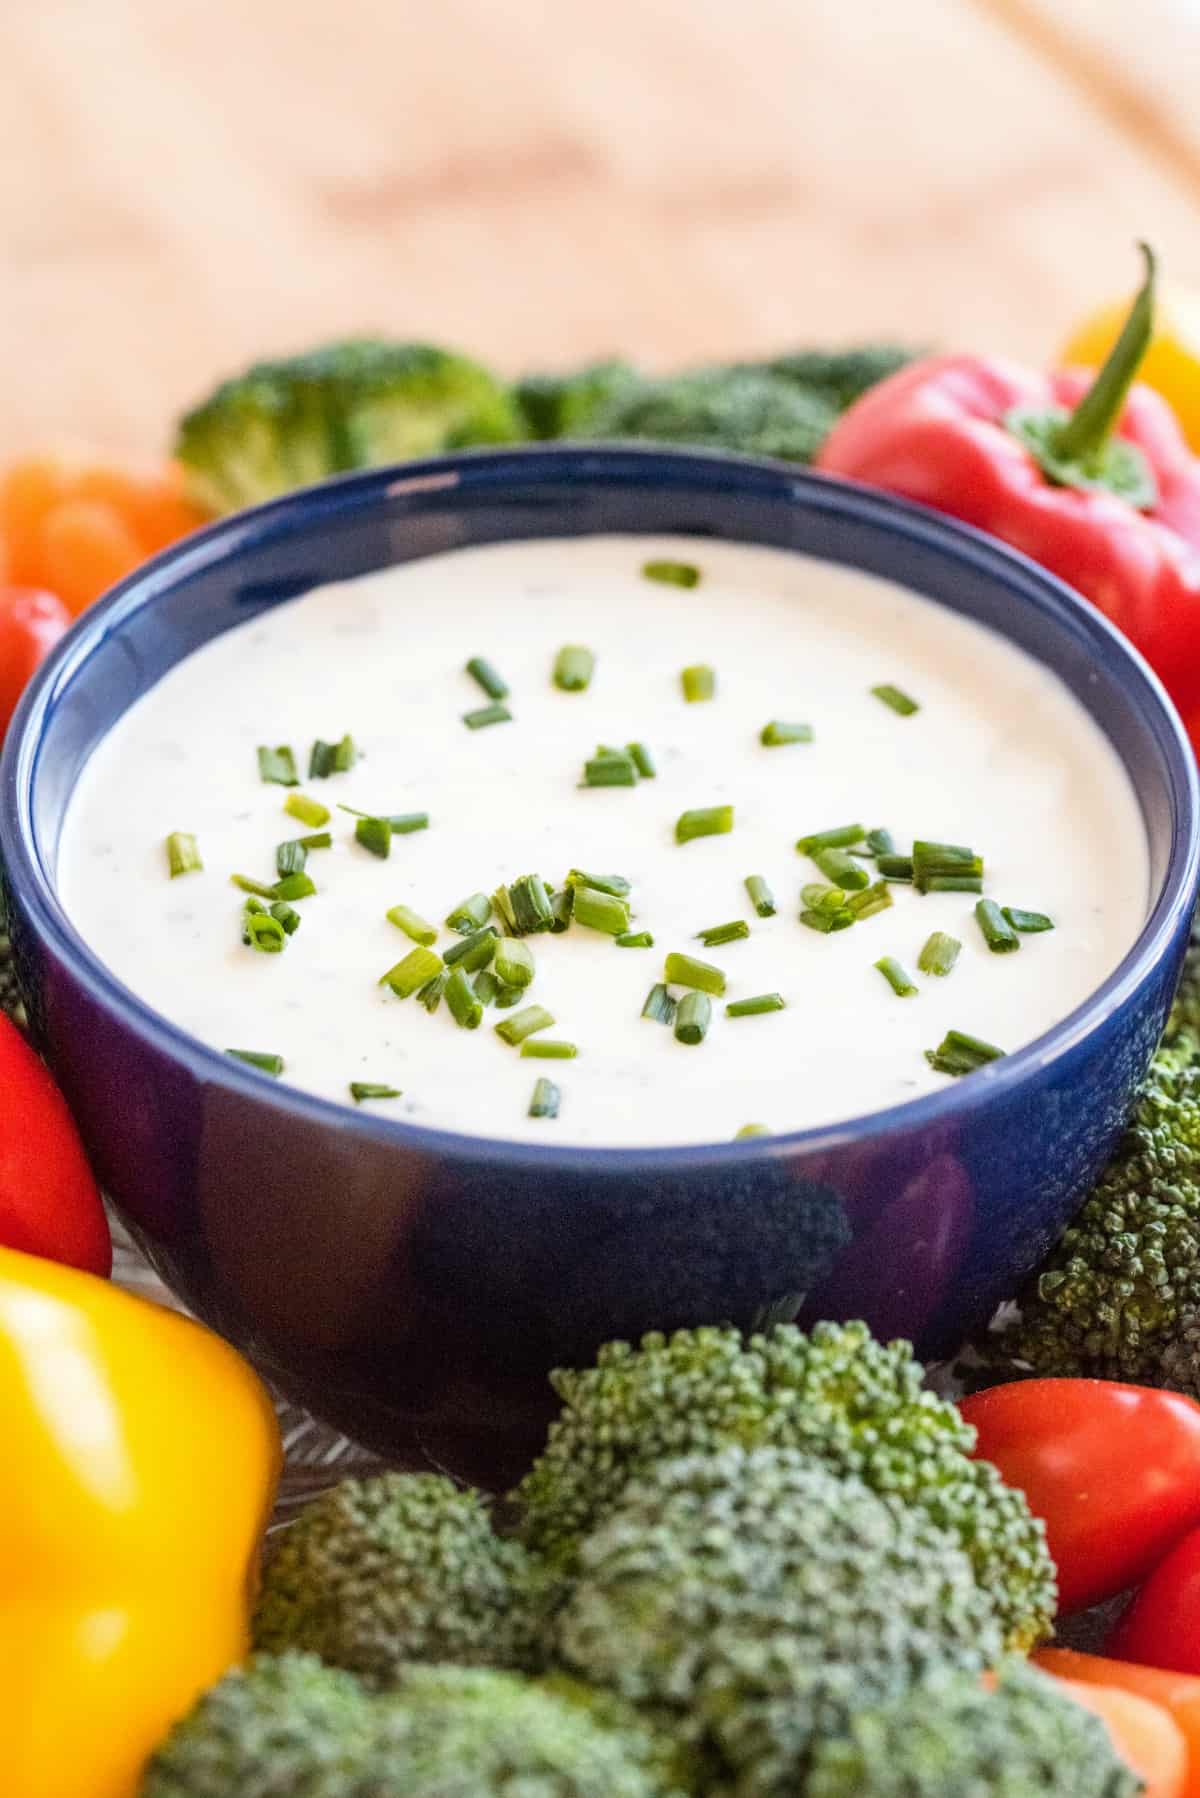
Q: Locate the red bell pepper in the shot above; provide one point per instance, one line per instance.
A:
(1161, 1628)
(1088, 477)
(49, 1201)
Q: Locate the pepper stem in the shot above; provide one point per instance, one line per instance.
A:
(1091, 424)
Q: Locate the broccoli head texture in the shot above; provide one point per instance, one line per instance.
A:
(955, 1740)
(753, 1591)
(349, 405)
(286, 1727)
(744, 409)
(562, 405)
(400, 1567)
(837, 1395)
(839, 376)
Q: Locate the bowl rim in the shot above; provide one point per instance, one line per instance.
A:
(305, 508)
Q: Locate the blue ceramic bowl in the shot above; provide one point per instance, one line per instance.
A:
(413, 1285)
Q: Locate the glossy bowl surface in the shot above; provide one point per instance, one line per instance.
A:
(414, 1285)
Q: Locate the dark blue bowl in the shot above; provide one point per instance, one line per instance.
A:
(414, 1285)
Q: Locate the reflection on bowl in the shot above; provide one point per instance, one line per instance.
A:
(413, 1285)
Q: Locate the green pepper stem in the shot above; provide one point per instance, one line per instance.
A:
(1091, 424)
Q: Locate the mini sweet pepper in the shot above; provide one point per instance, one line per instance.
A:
(1090, 477)
(140, 1462)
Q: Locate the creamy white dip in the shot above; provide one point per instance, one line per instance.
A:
(1000, 756)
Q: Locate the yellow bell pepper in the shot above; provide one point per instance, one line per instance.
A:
(140, 1459)
(1172, 362)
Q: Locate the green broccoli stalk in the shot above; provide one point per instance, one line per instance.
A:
(743, 409)
(757, 1595)
(356, 404)
(375, 1573)
(855, 1405)
(954, 1740)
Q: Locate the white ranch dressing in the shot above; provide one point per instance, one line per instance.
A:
(999, 756)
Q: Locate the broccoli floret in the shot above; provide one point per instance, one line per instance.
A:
(453, 1732)
(754, 1591)
(401, 1567)
(742, 409)
(839, 376)
(954, 1740)
(1185, 1013)
(839, 1396)
(563, 405)
(279, 1728)
(350, 405)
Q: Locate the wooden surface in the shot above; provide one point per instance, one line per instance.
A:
(187, 184)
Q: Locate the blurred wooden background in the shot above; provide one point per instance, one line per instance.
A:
(187, 184)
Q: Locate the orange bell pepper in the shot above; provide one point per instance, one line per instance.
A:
(1176, 1693)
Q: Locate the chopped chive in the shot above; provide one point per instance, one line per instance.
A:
(375, 835)
(514, 1030)
(320, 839)
(841, 838)
(610, 771)
(508, 996)
(486, 986)
(685, 970)
(1029, 922)
(287, 916)
(998, 933)
(470, 914)
(816, 897)
(642, 760)
(601, 883)
(546, 1048)
(900, 982)
(672, 574)
(183, 857)
(776, 734)
(869, 900)
(944, 861)
(753, 1008)
(699, 683)
(827, 921)
(573, 668)
(562, 906)
(716, 934)
(524, 905)
(404, 823)
(761, 896)
(277, 766)
(708, 821)
(634, 939)
(344, 754)
(418, 968)
(842, 869)
(263, 932)
(748, 1130)
(484, 715)
(482, 672)
(254, 1058)
(545, 1100)
(894, 867)
(412, 925)
(898, 701)
(474, 951)
(659, 1006)
(290, 857)
(461, 1002)
(692, 1018)
(331, 758)
(309, 811)
(430, 995)
(958, 1053)
(601, 911)
(514, 963)
(879, 842)
(293, 886)
(939, 953)
(953, 883)
(256, 887)
(368, 1089)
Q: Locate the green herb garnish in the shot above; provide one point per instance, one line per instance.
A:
(692, 1018)
(699, 682)
(998, 933)
(879, 842)
(461, 1002)
(707, 821)
(685, 970)
(277, 765)
(894, 867)
(320, 839)
(514, 1030)
(545, 1100)
(418, 968)
(898, 701)
(612, 769)
(939, 954)
(776, 734)
(1029, 923)
(761, 896)
(482, 671)
(485, 715)
(958, 1053)
(290, 857)
(263, 932)
(254, 1058)
(827, 921)
(486, 986)
(412, 925)
(257, 887)
(716, 934)
(634, 939)
(546, 1048)
(524, 906)
(659, 1006)
(375, 835)
(470, 914)
(573, 668)
(748, 1130)
(286, 915)
(514, 963)
(309, 811)
(937, 862)
(325, 759)
(430, 995)
(642, 760)
(869, 900)
(368, 1089)
(900, 982)
(602, 883)
(562, 905)
(293, 886)
(814, 896)
(753, 1008)
(672, 574)
(842, 868)
(474, 951)
(508, 996)
(601, 911)
(183, 857)
(839, 838)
